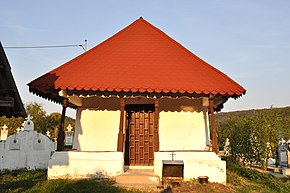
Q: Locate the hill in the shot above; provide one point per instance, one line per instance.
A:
(281, 116)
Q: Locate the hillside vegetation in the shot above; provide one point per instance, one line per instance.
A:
(254, 134)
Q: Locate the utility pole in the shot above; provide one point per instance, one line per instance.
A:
(85, 45)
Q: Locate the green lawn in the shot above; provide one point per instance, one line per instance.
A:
(239, 180)
(35, 181)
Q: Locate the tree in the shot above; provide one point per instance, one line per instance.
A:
(253, 136)
(12, 123)
(42, 121)
(39, 116)
(54, 121)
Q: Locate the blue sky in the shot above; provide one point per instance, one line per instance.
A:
(248, 40)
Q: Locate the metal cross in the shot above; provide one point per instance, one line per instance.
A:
(4, 127)
(172, 156)
(48, 133)
(29, 117)
(69, 128)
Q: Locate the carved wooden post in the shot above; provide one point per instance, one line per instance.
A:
(213, 134)
(60, 136)
(156, 121)
(120, 146)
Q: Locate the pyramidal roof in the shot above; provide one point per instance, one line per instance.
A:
(140, 58)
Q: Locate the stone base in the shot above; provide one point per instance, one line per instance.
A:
(138, 178)
(75, 165)
(196, 164)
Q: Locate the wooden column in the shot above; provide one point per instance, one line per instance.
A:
(156, 121)
(213, 133)
(60, 135)
(120, 146)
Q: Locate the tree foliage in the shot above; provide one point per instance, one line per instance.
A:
(42, 121)
(12, 123)
(253, 134)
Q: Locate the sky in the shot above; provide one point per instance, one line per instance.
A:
(248, 40)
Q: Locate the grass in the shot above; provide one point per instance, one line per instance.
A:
(240, 179)
(249, 180)
(35, 181)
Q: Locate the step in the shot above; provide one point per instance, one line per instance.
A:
(138, 177)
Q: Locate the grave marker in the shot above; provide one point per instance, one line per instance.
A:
(4, 133)
(282, 160)
(29, 125)
(227, 147)
(14, 144)
(48, 134)
(69, 136)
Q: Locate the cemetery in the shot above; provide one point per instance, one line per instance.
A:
(26, 149)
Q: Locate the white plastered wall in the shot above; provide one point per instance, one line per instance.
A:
(195, 164)
(97, 125)
(183, 124)
(75, 165)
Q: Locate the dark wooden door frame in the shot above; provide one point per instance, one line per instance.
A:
(140, 134)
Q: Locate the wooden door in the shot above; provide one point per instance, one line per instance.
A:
(139, 145)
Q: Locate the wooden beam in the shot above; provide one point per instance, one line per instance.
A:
(6, 102)
(7, 91)
(156, 128)
(214, 133)
(60, 136)
(120, 146)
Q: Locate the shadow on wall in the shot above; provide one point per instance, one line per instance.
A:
(60, 158)
(181, 104)
(206, 127)
(93, 104)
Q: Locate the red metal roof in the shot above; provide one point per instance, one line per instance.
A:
(139, 58)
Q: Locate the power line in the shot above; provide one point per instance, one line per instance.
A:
(54, 46)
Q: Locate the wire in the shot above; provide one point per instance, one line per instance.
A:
(25, 47)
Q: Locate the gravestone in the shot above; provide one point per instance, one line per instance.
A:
(227, 147)
(38, 142)
(288, 151)
(26, 149)
(282, 154)
(69, 134)
(4, 133)
(14, 144)
(48, 134)
(28, 125)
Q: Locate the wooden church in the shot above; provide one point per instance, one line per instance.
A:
(141, 99)
(10, 101)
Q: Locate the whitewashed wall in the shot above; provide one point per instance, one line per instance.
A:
(183, 124)
(96, 130)
(97, 125)
(195, 164)
(74, 165)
